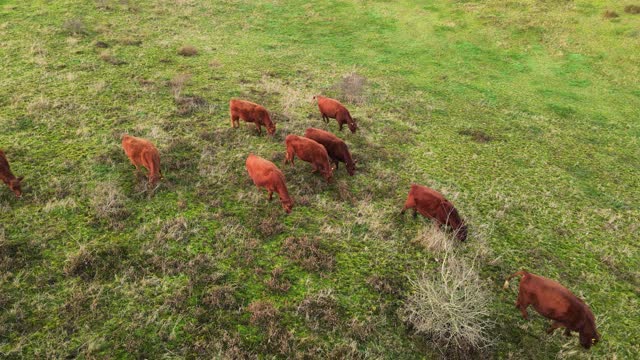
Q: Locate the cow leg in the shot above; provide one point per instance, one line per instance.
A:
(553, 327)
(567, 332)
(340, 125)
(337, 163)
(259, 129)
(522, 304)
(325, 118)
(270, 195)
(315, 168)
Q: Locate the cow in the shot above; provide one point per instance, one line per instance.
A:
(250, 112)
(555, 302)
(266, 174)
(336, 148)
(331, 108)
(310, 151)
(143, 152)
(7, 176)
(431, 204)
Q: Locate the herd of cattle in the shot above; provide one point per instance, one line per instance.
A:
(321, 148)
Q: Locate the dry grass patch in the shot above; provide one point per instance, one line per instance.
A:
(352, 88)
(308, 253)
(221, 297)
(74, 27)
(108, 57)
(95, 261)
(632, 9)
(277, 282)
(450, 309)
(434, 239)
(320, 310)
(187, 50)
(109, 204)
(477, 135)
(610, 14)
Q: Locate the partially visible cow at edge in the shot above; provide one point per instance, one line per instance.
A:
(142, 152)
(266, 174)
(7, 176)
(331, 108)
(431, 204)
(310, 151)
(250, 112)
(555, 302)
(336, 148)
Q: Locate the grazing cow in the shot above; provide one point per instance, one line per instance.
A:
(331, 108)
(265, 174)
(7, 176)
(309, 151)
(336, 148)
(555, 302)
(431, 204)
(250, 112)
(143, 152)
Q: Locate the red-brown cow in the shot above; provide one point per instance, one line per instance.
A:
(555, 302)
(336, 148)
(265, 174)
(7, 176)
(250, 112)
(431, 204)
(331, 108)
(143, 152)
(309, 151)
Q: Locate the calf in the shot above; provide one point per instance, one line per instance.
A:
(7, 176)
(431, 204)
(142, 152)
(309, 151)
(250, 112)
(336, 148)
(265, 174)
(555, 302)
(331, 108)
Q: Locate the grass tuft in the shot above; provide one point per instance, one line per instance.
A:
(75, 26)
(632, 9)
(320, 310)
(308, 253)
(109, 204)
(610, 14)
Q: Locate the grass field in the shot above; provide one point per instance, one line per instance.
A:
(526, 114)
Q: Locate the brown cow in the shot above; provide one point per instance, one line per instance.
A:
(7, 176)
(310, 151)
(331, 108)
(431, 204)
(265, 174)
(555, 302)
(143, 152)
(336, 148)
(250, 112)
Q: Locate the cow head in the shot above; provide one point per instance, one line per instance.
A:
(589, 336)
(14, 185)
(462, 232)
(328, 174)
(287, 205)
(352, 126)
(351, 167)
(271, 127)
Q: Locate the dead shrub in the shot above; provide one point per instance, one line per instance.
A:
(610, 14)
(221, 297)
(477, 135)
(188, 50)
(308, 253)
(74, 26)
(450, 309)
(320, 310)
(277, 282)
(109, 204)
(632, 9)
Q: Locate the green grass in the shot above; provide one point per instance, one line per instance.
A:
(555, 190)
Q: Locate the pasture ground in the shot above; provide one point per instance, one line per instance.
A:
(526, 114)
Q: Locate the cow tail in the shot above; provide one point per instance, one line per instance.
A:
(520, 274)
